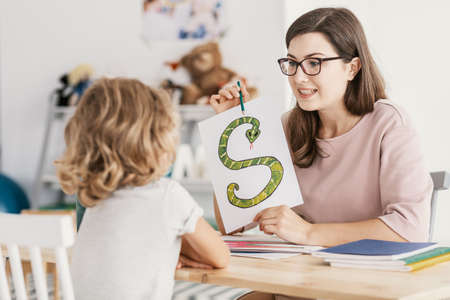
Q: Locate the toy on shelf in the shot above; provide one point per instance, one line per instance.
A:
(74, 83)
(189, 165)
(183, 166)
(12, 197)
(207, 75)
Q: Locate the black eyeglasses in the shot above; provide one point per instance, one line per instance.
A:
(310, 66)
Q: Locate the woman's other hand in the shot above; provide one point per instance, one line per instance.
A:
(285, 223)
(228, 97)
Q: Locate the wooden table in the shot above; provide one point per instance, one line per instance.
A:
(308, 276)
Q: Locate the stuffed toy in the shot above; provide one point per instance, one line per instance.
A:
(74, 84)
(207, 75)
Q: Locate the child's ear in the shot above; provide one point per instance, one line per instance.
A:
(354, 67)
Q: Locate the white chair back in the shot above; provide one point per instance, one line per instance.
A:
(441, 181)
(35, 232)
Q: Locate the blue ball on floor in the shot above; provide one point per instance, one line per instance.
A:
(12, 197)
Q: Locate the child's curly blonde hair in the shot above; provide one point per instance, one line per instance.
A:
(123, 133)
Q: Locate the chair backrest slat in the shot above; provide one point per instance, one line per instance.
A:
(17, 272)
(62, 264)
(4, 289)
(35, 232)
(38, 273)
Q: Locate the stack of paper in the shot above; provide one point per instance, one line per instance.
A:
(264, 246)
(385, 255)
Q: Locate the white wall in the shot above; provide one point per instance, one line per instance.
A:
(41, 40)
(410, 43)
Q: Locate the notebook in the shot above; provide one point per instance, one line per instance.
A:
(368, 249)
(439, 251)
(385, 265)
(264, 244)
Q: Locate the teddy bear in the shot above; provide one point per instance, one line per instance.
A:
(207, 75)
(74, 83)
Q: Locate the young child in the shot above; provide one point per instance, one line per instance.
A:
(120, 142)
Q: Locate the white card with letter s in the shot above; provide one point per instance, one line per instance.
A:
(249, 162)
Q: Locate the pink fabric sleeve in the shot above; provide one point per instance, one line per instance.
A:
(405, 184)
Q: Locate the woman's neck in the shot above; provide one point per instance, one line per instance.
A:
(336, 122)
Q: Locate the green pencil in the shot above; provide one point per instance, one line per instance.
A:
(240, 98)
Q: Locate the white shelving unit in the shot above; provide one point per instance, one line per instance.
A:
(46, 177)
(194, 112)
(190, 116)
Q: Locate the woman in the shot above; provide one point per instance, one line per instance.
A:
(356, 155)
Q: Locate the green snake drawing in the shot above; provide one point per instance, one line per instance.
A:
(274, 164)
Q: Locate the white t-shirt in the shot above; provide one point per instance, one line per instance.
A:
(128, 245)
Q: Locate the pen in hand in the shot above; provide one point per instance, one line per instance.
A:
(241, 98)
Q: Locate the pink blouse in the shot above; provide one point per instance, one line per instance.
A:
(375, 170)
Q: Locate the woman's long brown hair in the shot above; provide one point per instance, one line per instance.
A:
(345, 33)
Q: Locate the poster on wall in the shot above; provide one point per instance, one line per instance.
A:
(182, 20)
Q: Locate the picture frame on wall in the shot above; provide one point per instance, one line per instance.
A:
(182, 20)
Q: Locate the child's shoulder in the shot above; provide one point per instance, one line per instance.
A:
(166, 185)
(162, 185)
